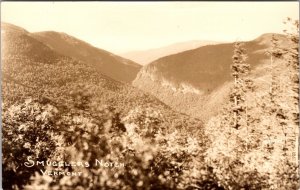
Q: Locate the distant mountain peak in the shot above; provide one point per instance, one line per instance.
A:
(147, 56)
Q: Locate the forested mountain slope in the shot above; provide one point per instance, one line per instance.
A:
(115, 67)
(63, 112)
(32, 69)
(196, 81)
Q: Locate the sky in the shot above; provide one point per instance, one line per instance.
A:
(127, 26)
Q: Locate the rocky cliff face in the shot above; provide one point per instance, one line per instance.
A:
(196, 82)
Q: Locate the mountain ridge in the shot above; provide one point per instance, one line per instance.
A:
(31, 69)
(187, 81)
(112, 65)
(147, 56)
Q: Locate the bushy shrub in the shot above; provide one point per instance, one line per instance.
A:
(29, 130)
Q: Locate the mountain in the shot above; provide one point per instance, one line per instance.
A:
(196, 81)
(31, 69)
(147, 56)
(56, 107)
(105, 62)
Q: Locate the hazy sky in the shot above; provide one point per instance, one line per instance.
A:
(125, 26)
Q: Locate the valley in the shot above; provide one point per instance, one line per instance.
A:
(200, 115)
(197, 81)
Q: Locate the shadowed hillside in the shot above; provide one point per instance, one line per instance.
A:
(105, 62)
(196, 81)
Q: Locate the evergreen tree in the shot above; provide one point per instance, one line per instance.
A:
(269, 102)
(291, 55)
(240, 69)
(283, 105)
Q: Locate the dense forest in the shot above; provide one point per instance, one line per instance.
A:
(67, 126)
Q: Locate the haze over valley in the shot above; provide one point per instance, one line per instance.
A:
(217, 108)
(147, 56)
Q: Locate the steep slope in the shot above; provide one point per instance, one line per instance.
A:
(147, 56)
(195, 81)
(107, 63)
(30, 69)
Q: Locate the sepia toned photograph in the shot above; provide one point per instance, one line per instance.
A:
(150, 95)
